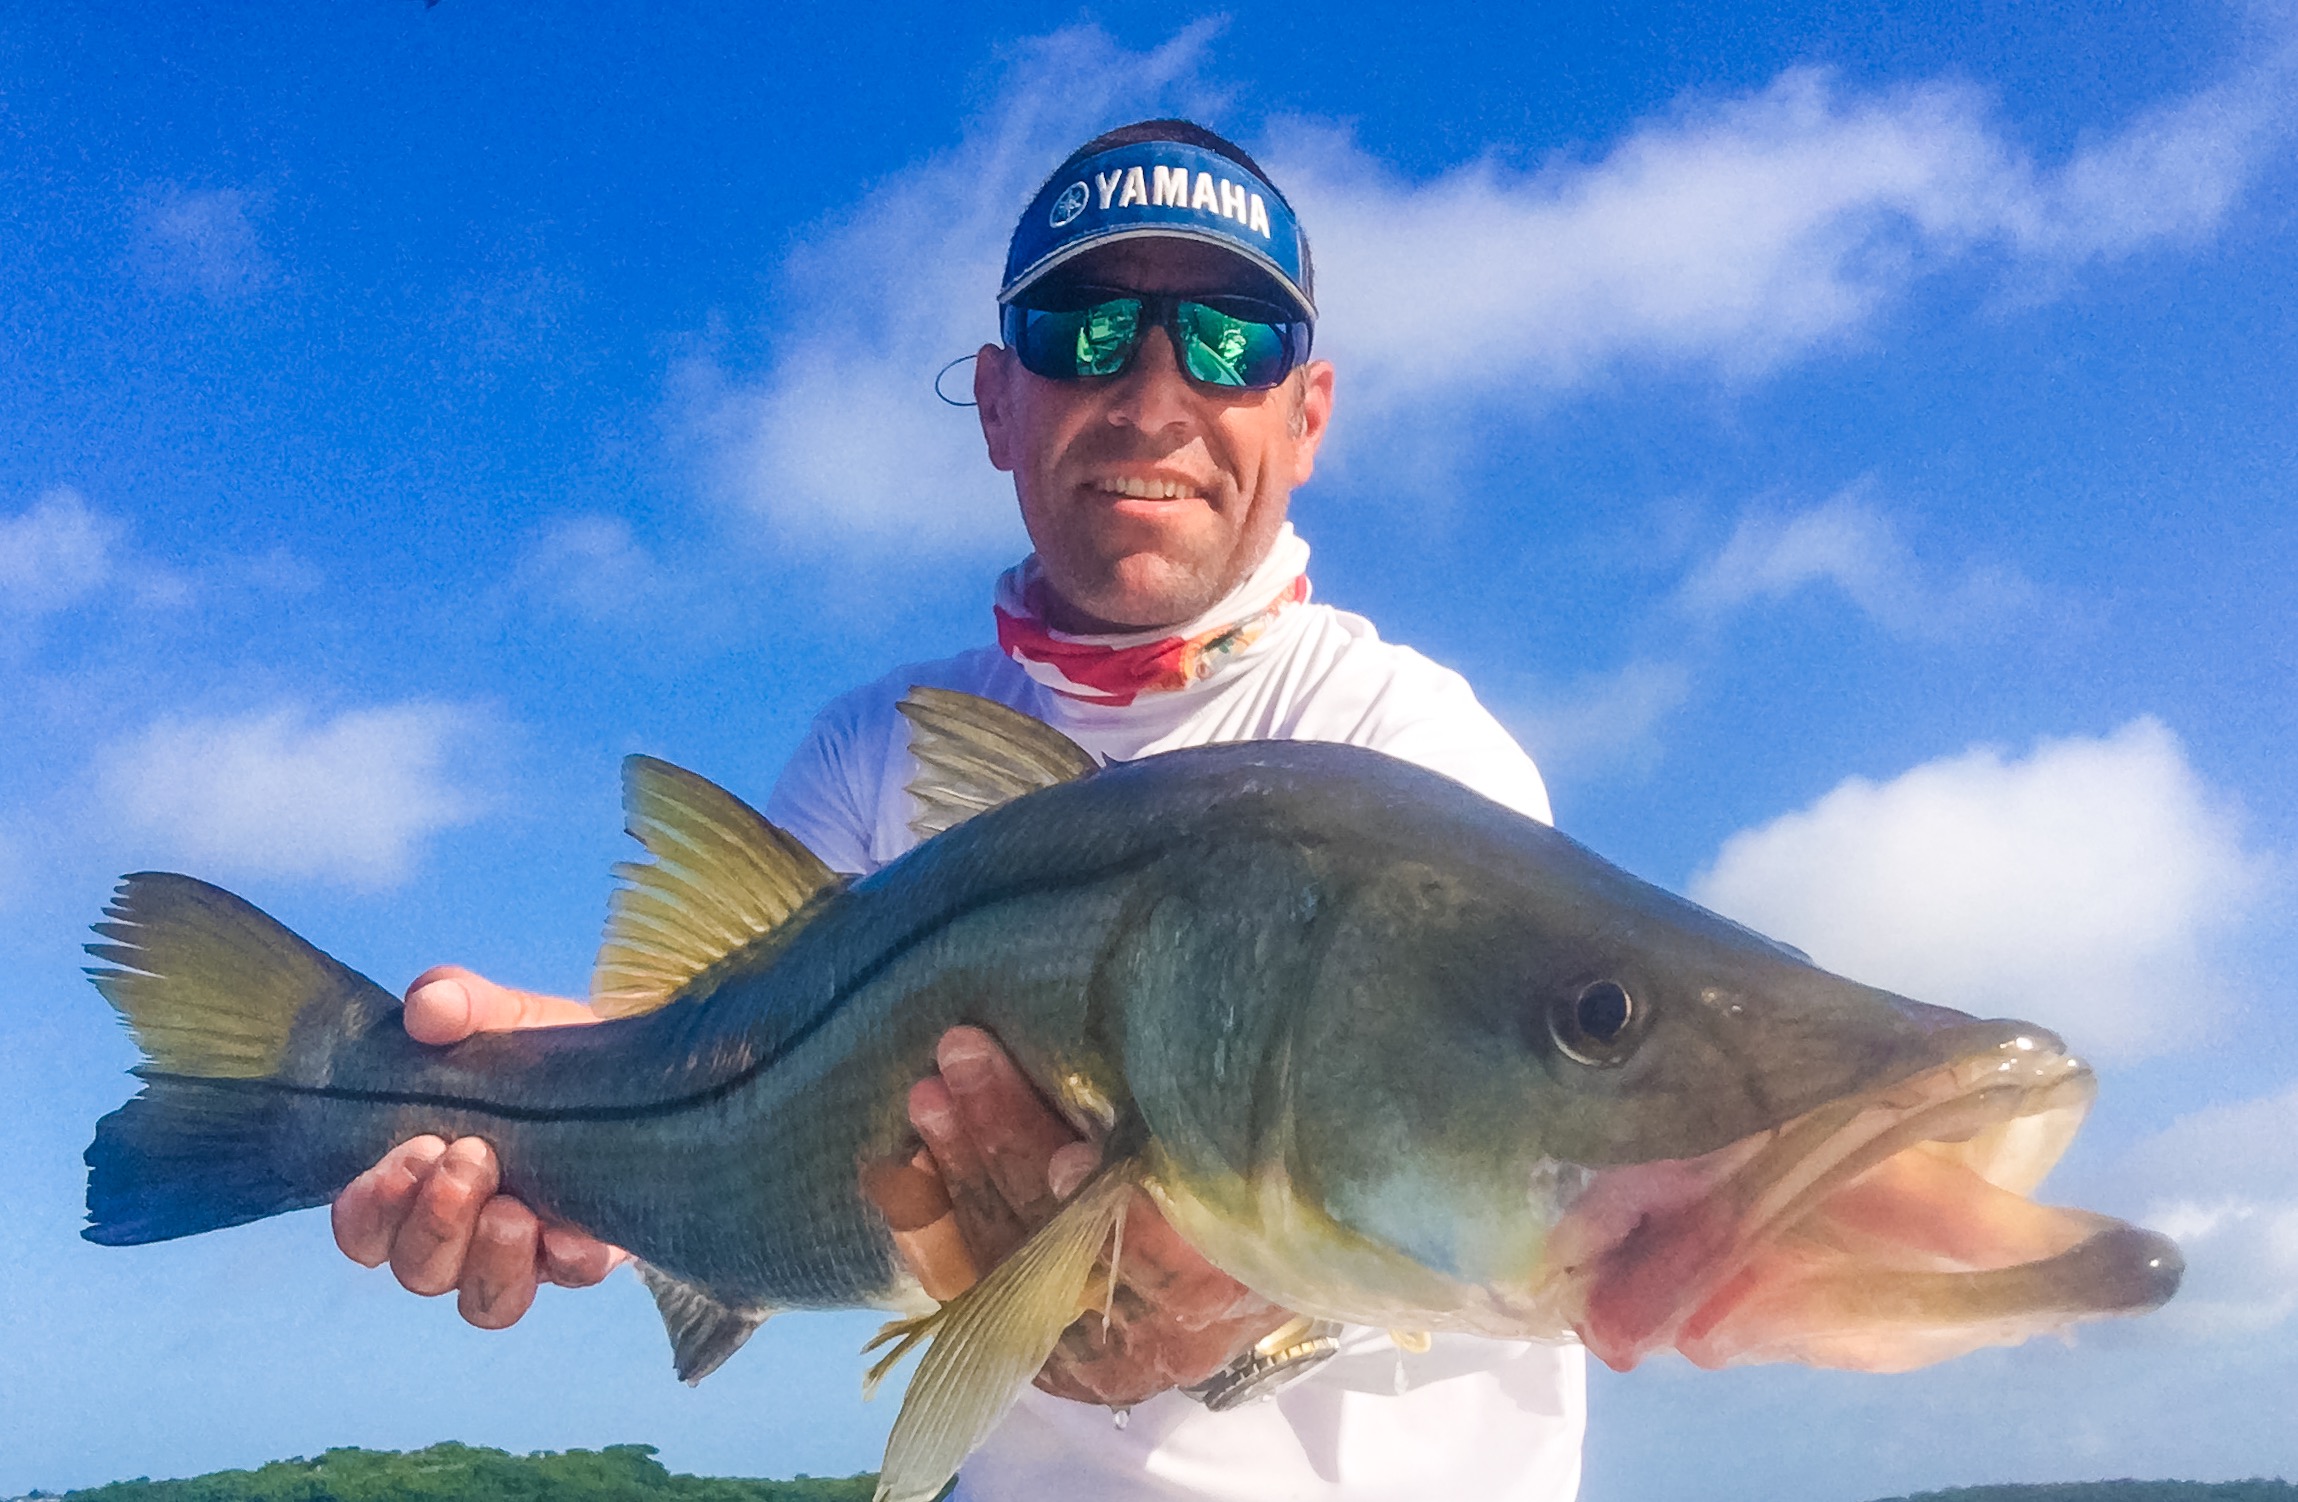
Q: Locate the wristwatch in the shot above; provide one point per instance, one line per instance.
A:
(1276, 1361)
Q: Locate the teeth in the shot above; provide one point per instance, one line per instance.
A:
(1145, 490)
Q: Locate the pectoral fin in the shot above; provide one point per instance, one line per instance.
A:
(990, 1340)
(703, 1331)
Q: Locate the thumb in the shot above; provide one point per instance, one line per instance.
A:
(439, 1005)
(448, 1003)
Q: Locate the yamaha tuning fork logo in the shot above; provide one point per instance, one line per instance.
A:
(1158, 188)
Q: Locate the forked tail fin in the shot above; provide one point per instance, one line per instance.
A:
(233, 1012)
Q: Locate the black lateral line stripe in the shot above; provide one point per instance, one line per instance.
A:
(640, 1111)
(502, 1110)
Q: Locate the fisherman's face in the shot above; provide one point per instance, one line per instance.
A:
(1148, 496)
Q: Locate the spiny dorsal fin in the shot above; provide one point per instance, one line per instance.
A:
(974, 754)
(703, 1332)
(990, 1340)
(721, 877)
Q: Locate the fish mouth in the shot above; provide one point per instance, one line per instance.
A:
(1879, 1232)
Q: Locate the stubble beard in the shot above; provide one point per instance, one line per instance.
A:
(1141, 590)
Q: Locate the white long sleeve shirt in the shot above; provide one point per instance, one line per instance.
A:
(1470, 1418)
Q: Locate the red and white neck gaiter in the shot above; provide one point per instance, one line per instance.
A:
(1119, 668)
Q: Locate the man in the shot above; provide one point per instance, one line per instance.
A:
(1154, 402)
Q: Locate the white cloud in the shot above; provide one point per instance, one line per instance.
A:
(2223, 1184)
(842, 439)
(55, 554)
(2172, 173)
(1738, 234)
(200, 240)
(62, 553)
(596, 568)
(282, 792)
(1850, 544)
(1729, 237)
(1603, 724)
(2079, 887)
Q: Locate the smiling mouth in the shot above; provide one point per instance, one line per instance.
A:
(1878, 1233)
(1137, 489)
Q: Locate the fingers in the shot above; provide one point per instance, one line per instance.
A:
(997, 1162)
(498, 1274)
(428, 1251)
(1172, 1279)
(917, 1209)
(572, 1260)
(447, 1003)
(1070, 1166)
(982, 1215)
(908, 1192)
(1132, 1357)
(1175, 1320)
(1014, 1132)
(368, 1213)
(431, 1210)
(939, 1258)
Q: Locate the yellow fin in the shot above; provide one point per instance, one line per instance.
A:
(974, 754)
(210, 984)
(1412, 1342)
(721, 878)
(990, 1340)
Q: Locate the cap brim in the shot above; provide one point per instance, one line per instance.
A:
(1283, 287)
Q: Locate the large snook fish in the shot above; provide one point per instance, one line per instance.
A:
(1381, 1049)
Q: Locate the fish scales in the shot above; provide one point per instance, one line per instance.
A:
(720, 1137)
(1379, 1048)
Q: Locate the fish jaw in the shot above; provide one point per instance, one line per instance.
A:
(1877, 1233)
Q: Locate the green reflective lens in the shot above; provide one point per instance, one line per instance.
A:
(1238, 344)
(1224, 351)
(1106, 333)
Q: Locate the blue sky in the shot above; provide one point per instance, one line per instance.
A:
(1850, 444)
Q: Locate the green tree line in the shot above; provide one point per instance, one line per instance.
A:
(2117, 1491)
(630, 1473)
(468, 1473)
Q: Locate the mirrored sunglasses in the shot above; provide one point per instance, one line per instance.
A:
(1239, 343)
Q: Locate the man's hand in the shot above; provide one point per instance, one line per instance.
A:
(430, 1208)
(997, 1162)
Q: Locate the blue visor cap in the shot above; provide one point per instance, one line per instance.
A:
(1161, 189)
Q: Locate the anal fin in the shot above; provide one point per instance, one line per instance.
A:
(703, 1331)
(990, 1340)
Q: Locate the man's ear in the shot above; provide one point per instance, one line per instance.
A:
(1311, 412)
(993, 390)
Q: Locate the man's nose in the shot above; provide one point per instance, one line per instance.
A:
(1153, 395)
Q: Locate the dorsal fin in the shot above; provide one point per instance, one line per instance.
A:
(974, 754)
(721, 877)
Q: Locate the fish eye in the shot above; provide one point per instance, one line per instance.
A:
(1596, 1025)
